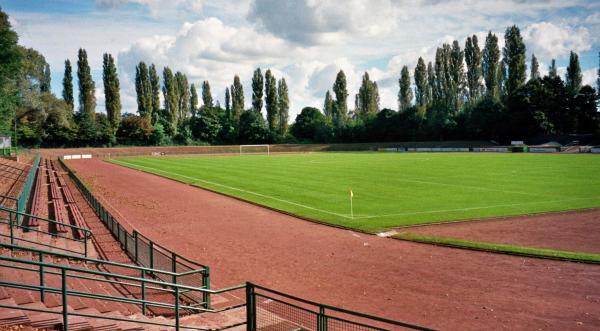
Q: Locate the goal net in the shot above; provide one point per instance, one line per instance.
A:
(255, 149)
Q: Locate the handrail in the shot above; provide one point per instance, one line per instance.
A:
(90, 260)
(150, 249)
(67, 271)
(321, 314)
(26, 190)
(14, 221)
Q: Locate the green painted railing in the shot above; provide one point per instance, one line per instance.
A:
(26, 190)
(12, 218)
(9, 151)
(44, 270)
(265, 306)
(146, 252)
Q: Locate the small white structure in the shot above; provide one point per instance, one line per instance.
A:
(5, 142)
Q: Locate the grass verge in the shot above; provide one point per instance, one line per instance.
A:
(501, 248)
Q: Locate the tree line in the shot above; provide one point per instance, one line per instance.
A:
(468, 92)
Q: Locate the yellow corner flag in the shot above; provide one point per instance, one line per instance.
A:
(351, 194)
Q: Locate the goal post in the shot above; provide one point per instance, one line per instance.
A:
(255, 149)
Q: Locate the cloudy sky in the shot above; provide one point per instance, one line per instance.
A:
(305, 41)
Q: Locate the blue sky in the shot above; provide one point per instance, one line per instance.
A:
(306, 42)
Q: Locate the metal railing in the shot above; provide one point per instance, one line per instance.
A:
(146, 252)
(143, 284)
(268, 309)
(9, 151)
(14, 220)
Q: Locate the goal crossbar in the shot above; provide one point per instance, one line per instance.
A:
(262, 145)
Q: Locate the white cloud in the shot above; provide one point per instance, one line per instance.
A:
(157, 7)
(548, 40)
(589, 77)
(323, 21)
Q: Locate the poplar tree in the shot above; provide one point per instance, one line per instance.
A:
(112, 94)
(368, 97)
(171, 101)
(328, 105)
(535, 68)
(257, 90)
(421, 83)
(490, 64)
(155, 91)
(207, 98)
(68, 85)
(237, 97)
(552, 71)
(405, 94)
(193, 100)
(183, 97)
(573, 78)
(430, 82)
(283, 106)
(46, 80)
(227, 103)
(143, 88)
(341, 99)
(514, 58)
(271, 102)
(457, 74)
(473, 60)
(87, 87)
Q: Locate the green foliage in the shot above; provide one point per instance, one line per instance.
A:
(573, 81)
(405, 95)
(112, 96)
(207, 125)
(367, 98)
(46, 80)
(87, 87)
(421, 87)
(143, 88)
(535, 68)
(473, 59)
(207, 98)
(155, 90)
(68, 86)
(183, 98)
(340, 109)
(193, 100)
(514, 58)
(136, 130)
(257, 90)
(237, 98)
(252, 128)
(552, 70)
(490, 64)
(311, 125)
(271, 102)
(171, 100)
(227, 102)
(283, 107)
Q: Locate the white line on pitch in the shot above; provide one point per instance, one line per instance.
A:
(473, 208)
(238, 189)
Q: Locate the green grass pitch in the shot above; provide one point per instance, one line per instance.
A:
(393, 189)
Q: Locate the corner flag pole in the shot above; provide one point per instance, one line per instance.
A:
(351, 209)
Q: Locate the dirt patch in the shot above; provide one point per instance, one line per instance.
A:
(444, 288)
(570, 231)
